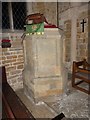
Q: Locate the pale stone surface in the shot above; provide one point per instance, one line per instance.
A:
(67, 32)
(74, 104)
(82, 37)
(70, 16)
(43, 64)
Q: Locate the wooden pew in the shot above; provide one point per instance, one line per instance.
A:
(12, 106)
(11, 103)
(81, 71)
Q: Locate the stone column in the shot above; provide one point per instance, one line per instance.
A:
(11, 16)
(74, 29)
(29, 7)
(73, 34)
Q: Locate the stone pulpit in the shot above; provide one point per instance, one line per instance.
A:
(44, 73)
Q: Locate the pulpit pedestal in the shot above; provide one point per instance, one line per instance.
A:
(44, 74)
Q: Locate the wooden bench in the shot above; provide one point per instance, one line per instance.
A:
(81, 72)
(12, 106)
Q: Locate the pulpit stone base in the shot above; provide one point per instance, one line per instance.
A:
(44, 74)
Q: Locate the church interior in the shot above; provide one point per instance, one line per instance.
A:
(44, 60)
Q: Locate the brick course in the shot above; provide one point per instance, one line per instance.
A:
(12, 59)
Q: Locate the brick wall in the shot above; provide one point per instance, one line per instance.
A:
(12, 59)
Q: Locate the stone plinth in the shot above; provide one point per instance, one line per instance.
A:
(44, 74)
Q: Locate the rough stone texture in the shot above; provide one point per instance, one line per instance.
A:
(74, 104)
(74, 12)
(12, 59)
(67, 27)
(43, 64)
(63, 6)
(82, 37)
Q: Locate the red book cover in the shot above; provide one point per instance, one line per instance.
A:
(49, 25)
(5, 40)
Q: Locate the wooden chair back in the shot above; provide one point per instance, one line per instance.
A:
(81, 71)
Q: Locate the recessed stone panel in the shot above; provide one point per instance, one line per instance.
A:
(43, 71)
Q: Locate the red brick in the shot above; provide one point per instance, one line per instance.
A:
(11, 57)
(2, 58)
(10, 68)
(14, 56)
(11, 60)
(4, 49)
(20, 59)
(20, 67)
(20, 56)
(17, 63)
(15, 72)
(0, 50)
(7, 65)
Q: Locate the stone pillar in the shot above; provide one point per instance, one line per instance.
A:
(73, 34)
(29, 7)
(11, 16)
